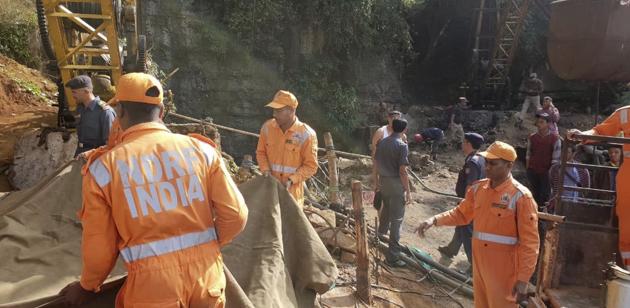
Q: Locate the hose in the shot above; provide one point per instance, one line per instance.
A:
(42, 22)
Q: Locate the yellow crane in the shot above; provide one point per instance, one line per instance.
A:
(99, 38)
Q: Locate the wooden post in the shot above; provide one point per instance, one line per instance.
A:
(333, 176)
(363, 261)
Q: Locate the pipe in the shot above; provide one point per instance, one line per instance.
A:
(462, 286)
(461, 279)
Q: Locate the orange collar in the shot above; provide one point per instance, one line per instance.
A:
(293, 127)
(143, 128)
(501, 187)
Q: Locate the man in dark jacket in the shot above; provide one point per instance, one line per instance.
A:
(473, 170)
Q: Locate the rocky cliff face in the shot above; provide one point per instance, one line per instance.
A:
(225, 80)
(216, 79)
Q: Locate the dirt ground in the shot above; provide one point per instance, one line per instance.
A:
(26, 98)
(424, 205)
(441, 177)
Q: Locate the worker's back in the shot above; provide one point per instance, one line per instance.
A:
(168, 198)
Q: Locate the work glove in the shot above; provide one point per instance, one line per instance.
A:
(75, 295)
(520, 291)
(425, 225)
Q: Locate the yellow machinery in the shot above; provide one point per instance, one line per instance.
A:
(94, 37)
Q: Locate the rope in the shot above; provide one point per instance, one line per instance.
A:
(242, 132)
(417, 178)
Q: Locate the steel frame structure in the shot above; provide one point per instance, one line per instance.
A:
(74, 54)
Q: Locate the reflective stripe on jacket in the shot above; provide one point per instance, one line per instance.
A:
(506, 214)
(290, 155)
(152, 198)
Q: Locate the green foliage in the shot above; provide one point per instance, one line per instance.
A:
(334, 104)
(319, 43)
(533, 40)
(30, 87)
(14, 43)
(624, 98)
(18, 25)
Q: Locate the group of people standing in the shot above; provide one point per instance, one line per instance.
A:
(504, 237)
(503, 243)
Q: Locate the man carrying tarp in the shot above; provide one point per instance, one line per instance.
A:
(287, 148)
(505, 232)
(164, 202)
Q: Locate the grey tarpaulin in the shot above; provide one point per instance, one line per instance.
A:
(278, 261)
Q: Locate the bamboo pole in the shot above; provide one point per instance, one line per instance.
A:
(234, 130)
(333, 175)
(363, 258)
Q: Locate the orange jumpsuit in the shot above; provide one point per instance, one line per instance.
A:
(290, 155)
(505, 238)
(166, 204)
(619, 122)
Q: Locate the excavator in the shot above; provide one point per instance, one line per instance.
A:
(99, 38)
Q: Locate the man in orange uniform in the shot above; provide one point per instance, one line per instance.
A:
(505, 237)
(164, 202)
(618, 124)
(287, 148)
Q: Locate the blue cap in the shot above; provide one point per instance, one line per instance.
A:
(79, 82)
(475, 139)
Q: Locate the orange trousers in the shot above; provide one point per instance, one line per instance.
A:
(188, 278)
(494, 274)
(623, 212)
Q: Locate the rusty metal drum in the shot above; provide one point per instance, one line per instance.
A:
(590, 39)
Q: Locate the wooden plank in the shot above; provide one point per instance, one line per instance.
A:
(363, 260)
(333, 176)
(549, 258)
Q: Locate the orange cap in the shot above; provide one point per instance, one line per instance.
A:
(282, 99)
(500, 150)
(134, 87)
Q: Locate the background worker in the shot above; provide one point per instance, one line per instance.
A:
(473, 170)
(391, 179)
(573, 176)
(618, 124)
(455, 125)
(552, 111)
(505, 237)
(432, 135)
(604, 179)
(543, 151)
(95, 117)
(287, 148)
(164, 202)
(386, 130)
(533, 88)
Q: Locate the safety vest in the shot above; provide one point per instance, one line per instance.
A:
(152, 195)
(289, 155)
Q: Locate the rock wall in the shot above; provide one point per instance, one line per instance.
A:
(216, 79)
(224, 80)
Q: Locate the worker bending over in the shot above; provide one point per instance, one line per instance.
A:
(505, 233)
(287, 148)
(164, 202)
(618, 124)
